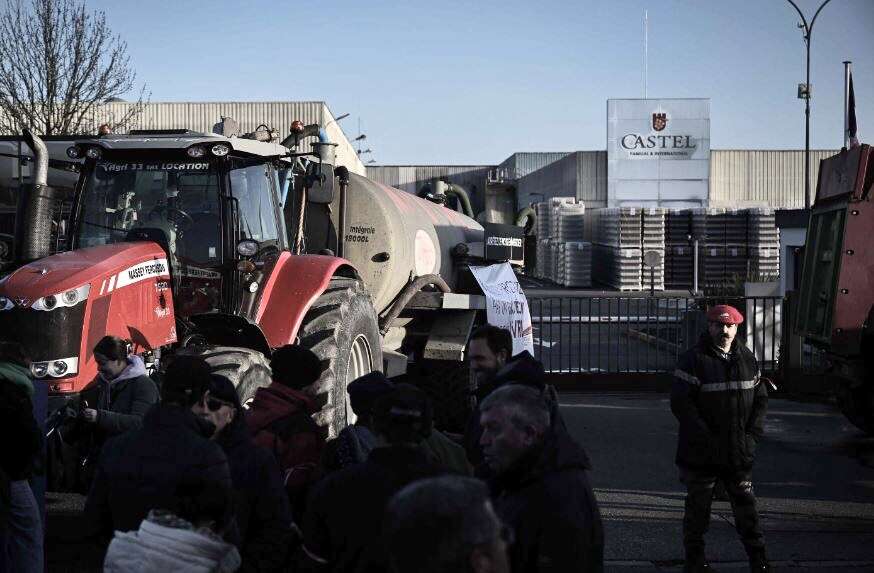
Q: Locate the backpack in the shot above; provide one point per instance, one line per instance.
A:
(297, 442)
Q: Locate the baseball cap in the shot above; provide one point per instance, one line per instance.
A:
(725, 314)
(364, 391)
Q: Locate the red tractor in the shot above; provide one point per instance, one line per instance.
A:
(229, 246)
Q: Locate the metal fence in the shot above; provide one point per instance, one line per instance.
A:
(619, 334)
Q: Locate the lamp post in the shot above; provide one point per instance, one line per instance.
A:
(804, 93)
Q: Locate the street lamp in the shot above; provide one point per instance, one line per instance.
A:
(804, 93)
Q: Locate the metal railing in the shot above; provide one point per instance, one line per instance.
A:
(640, 333)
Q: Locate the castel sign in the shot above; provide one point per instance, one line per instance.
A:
(658, 152)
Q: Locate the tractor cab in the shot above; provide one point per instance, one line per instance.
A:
(207, 200)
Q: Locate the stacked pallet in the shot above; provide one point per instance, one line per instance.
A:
(764, 245)
(546, 228)
(652, 238)
(574, 264)
(616, 246)
(679, 264)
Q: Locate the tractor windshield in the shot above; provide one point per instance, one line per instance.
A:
(179, 198)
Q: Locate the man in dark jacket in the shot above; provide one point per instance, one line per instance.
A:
(260, 504)
(143, 469)
(493, 366)
(720, 402)
(343, 526)
(21, 529)
(540, 485)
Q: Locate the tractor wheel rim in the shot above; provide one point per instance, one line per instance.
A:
(360, 359)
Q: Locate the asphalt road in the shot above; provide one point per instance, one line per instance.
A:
(814, 479)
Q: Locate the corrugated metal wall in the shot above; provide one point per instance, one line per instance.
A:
(582, 174)
(774, 178)
(411, 178)
(522, 163)
(201, 116)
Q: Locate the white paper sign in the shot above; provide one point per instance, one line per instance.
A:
(506, 305)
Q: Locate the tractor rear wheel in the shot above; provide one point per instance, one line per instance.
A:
(341, 328)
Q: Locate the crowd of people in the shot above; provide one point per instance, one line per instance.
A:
(180, 476)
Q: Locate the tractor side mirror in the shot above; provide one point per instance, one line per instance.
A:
(319, 183)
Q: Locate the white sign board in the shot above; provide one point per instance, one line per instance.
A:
(506, 305)
(658, 152)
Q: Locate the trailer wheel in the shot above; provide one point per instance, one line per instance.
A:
(247, 369)
(448, 384)
(341, 328)
(857, 404)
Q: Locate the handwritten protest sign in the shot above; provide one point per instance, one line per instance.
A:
(506, 305)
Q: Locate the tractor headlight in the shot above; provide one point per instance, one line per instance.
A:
(220, 149)
(55, 368)
(74, 152)
(6, 303)
(93, 153)
(195, 151)
(68, 298)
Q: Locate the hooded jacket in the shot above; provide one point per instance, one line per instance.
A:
(260, 503)
(142, 469)
(521, 369)
(122, 402)
(165, 543)
(547, 500)
(720, 403)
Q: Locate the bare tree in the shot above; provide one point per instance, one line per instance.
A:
(58, 64)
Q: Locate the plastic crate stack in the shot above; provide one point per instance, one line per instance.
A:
(547, 226)
(616, 247)
(764, 245)
(679, 264)
(723, 245)
(571, 256)
(542, 231)
(652, 238)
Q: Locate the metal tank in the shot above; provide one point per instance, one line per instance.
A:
(393, 237)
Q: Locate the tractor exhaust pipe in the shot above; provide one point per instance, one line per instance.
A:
(39, 206)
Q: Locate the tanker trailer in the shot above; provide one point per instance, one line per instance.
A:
(179, 244)
(836, 307)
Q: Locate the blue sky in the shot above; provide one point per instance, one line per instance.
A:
(471, 82)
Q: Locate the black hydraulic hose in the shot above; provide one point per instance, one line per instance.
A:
(463, 196)
(524, 216)
(342, 174)
(407, 294)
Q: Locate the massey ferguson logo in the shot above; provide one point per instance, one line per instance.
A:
(21, 302)
(659, 121)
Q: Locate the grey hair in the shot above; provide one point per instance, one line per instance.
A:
(527, 406)
(433, 525)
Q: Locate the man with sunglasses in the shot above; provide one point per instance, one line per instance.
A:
(260, 504)
(540, 484)
(144, 468)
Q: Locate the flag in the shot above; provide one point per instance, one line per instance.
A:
(851, 116)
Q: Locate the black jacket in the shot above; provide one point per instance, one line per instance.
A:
(120, 404)
(521, 369)
(342, 528)
(142, 469)
(548, 502)
(22, 439)
(260, 503)
(720, 403)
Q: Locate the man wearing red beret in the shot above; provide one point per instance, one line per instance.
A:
(720, 402)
